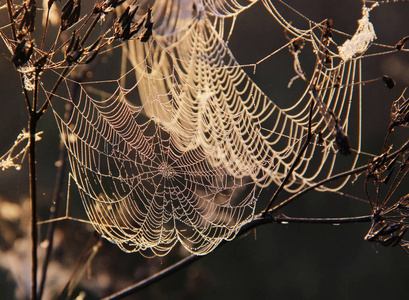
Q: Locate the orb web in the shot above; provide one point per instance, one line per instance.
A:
(191, 84)
(139, 190)
(188, 162)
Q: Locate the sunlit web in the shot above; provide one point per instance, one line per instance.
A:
(186, 163)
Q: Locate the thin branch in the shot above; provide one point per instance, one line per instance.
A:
(35, 92)
(403, 171)
(44, 107)
(32, 124)
(13, 30)
(74, 91)
(89, 30)
(90, 249)
(260, 219)
(296, 161)
(51, 227)
(154, 278)
(10, 13)
(404, 148)
(33, 197)
(344, 220)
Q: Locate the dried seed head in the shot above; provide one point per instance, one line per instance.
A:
(342, 141)
(28, 20)
(389, 82)
(22, 53)
(319, 137)
(70, 13)
(399, 45)
(148, 25)
(74, 49)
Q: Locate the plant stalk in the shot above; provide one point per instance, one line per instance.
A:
(33, 118)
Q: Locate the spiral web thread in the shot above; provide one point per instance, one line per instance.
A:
(187, 165)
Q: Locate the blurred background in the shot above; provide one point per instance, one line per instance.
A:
(294, 261)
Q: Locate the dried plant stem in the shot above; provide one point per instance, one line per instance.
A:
(296, 161)
(33, 118)
(57, 195)
(10, 13)
(89, 251)
(260, 219)
(54, 213)
(32, 128)
(74, 90)
(154, 278)
(358, 170)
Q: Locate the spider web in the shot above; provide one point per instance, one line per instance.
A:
(190, 83)
(187, 164)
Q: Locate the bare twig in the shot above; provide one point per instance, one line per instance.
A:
(54, 213)
(33, 197)
(88, 252)
(10, 13)
(260, 219)
(358, 170)
(32, 124)
(61, 170)
(296, 161)
(74, 91)
(154, 278)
